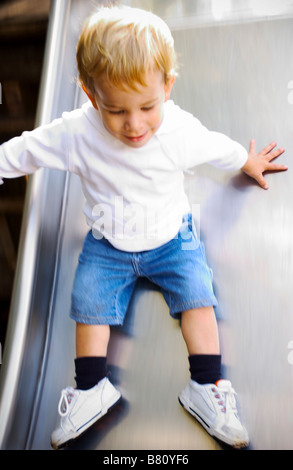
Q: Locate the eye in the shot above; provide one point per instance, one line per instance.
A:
(149, 108)
(116, 112)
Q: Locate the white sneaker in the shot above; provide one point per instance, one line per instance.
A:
(80, 409)
(214, 406)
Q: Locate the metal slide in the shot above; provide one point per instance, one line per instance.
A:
(236, 77)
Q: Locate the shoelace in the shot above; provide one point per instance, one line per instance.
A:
(65, 400)
(225, 398)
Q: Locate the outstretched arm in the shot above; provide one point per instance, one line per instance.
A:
(258, 163)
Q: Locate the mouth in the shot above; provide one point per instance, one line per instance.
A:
(138, 138)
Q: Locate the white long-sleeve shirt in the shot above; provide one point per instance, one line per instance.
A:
(134, 196)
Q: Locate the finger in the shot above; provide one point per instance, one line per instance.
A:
(276, 167)
(274, 154)
(268, 148)
(262, 182)
(252, 146)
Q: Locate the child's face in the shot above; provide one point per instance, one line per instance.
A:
(129, 115)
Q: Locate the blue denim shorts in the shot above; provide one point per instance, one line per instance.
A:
(105, 277)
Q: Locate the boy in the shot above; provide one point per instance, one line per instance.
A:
(130, 146)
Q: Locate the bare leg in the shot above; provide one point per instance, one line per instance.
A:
(200, 331)
(92, 340)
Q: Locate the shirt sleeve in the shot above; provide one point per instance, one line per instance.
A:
(190, 143)
(44, 147)
(214, 148)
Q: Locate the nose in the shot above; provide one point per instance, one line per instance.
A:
(133, 123)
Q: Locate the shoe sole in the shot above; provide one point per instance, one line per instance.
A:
(209, 429)
(86, 426)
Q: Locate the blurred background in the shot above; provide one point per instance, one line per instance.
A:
(23, 27)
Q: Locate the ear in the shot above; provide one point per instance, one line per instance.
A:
(90, 96)
(168, 87)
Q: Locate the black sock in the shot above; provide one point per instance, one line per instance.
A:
(205, 368)
(89, 371)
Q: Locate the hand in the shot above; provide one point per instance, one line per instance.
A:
(258, 163)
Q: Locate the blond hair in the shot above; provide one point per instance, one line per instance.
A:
(122, 44)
